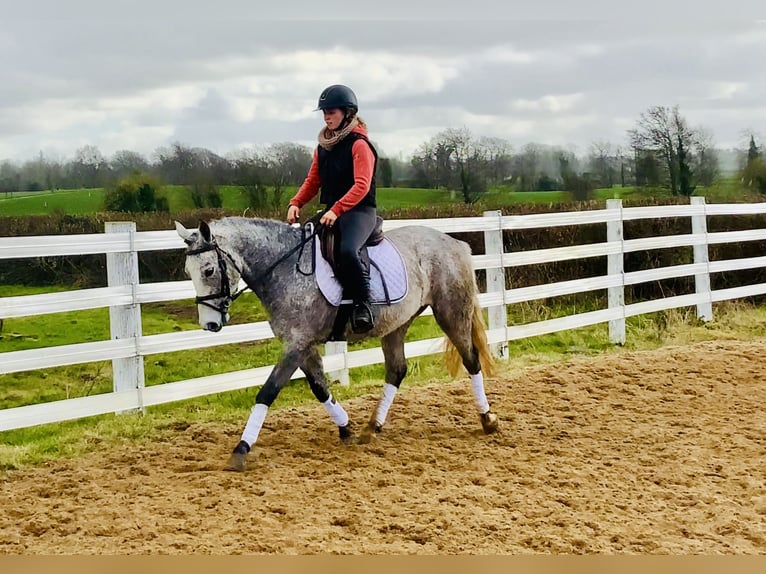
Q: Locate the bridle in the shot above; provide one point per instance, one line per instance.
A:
(224, 294)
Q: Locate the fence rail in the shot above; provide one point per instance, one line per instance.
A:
(124, 295)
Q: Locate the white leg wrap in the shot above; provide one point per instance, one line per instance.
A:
(254, 424)
(336, 411)
(477, 384)
(389, 392)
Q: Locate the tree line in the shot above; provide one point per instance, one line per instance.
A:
(662, 151)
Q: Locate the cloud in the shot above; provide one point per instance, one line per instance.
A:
(223, 79)
(549, 103)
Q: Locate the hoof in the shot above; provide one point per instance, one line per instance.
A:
(346, 434)
(238, 459)
(489, 422)
(237, 462)
(368, 432)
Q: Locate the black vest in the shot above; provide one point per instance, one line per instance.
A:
(336, 171)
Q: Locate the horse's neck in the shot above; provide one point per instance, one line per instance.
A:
(258, 245)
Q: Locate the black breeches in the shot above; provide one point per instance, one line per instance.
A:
(355, 228)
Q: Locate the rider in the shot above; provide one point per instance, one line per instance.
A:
(343, 166)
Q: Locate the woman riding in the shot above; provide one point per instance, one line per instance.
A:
(343, 167)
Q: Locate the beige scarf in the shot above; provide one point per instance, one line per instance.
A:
(328, 139)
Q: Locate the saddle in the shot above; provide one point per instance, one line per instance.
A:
(329, 243)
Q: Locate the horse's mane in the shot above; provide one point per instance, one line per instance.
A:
(238, 221)
(276, 230)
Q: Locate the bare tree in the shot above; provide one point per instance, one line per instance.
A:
(654, 133)
(456, 160)
(89, 168)
(683, 153)
(499, 155)
(753, 151)
(467, 162)
(384, 173)
(10, 176)
(625, 166)
(251, 173)
(286, 164)
(425, 167)
(526, 167)
(601, 162)
(753, 172)
(126, 162)
(706, 161)
(176, 163)
(664, 133)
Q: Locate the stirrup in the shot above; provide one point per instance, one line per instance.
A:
(361, 318)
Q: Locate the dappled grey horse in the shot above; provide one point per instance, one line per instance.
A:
(266, 254)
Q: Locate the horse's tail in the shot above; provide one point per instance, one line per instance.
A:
(479, 340)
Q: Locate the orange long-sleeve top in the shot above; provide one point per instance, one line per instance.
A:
(364, 164)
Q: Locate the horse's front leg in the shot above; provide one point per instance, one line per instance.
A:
(312, 367)
(281, 373)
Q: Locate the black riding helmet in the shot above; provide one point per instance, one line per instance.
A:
(337, 96)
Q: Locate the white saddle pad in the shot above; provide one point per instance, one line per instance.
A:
(386, 257)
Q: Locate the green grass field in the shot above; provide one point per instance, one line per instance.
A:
(73, 202)
(84, 201)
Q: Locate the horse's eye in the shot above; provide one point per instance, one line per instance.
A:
(209, 272)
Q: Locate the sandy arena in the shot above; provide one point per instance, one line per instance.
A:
(660, 452)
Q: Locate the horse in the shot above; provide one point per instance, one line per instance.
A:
(266, 254)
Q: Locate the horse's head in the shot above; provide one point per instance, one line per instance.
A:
(213, 273)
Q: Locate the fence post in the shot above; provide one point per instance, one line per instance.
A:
(702, 280)
(125, 320)
(615, 266)
(341, 375)
(497, 314)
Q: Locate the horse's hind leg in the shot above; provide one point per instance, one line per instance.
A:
(461, 323)
(312, 368)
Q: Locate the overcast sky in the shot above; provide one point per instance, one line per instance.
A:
(139, 75)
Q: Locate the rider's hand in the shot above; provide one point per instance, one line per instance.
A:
(293, 213)
(328, 218)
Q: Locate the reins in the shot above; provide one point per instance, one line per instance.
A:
(306, 236)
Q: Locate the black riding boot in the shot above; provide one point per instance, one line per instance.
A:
(355, 227)
(362, 319)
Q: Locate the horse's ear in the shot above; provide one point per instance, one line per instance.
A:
(184, 233)
(204, 229)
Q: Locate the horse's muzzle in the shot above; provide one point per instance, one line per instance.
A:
(214, 327)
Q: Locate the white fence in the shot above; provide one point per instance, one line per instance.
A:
(125, 294)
